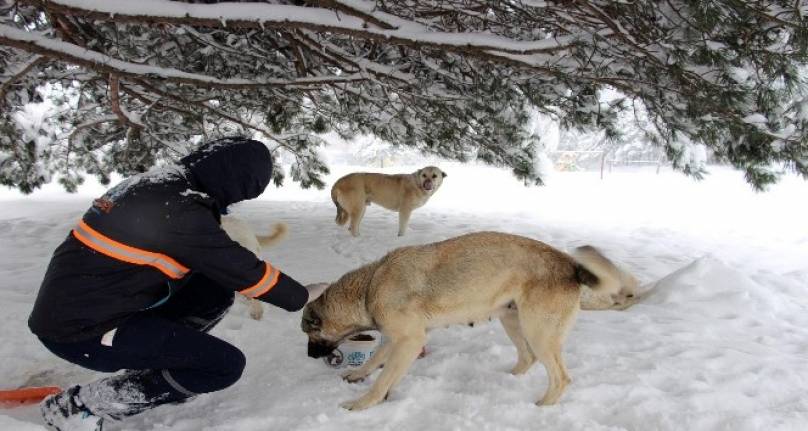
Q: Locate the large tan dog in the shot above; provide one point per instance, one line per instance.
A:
(403, 193)
(533, 288)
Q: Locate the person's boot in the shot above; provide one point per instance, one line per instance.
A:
(66, 412)
(129, 393)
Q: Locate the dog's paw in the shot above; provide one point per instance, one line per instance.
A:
(349, 405)
(518, 371)
(358, 404)
(546, 402)
(521, 368)
(353, 377)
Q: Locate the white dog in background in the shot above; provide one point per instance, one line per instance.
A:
(240, 232)
(402, 193)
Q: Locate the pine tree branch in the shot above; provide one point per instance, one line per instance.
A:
(359, 63)
(115, 103)
(262, 16)
(204, 106)
(354, 11)
(618, 30)
(771, 18)
(37, 43)
(157, 101)
(71, 138)
(299, 60)
(15, 76)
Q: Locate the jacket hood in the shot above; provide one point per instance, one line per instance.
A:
(230, 170)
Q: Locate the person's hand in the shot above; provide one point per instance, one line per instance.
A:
(315, 290)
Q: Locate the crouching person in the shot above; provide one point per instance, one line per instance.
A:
(143, 277)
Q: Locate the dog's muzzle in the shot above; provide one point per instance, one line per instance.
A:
(427, 185)
(319, 350)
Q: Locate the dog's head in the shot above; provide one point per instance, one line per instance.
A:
(430, 178)
(624, 298)
(629, 290)
(327, 323)
(628, 285)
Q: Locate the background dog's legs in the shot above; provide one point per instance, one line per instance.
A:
(377, 360)
(545, 327)
(403, 220)
(356, 211)
(404, 349)
(256, 309)
(342, 215)
(526, 358)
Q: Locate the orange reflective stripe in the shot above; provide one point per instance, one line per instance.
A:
(272, 282)
(116, 250)
(267, 282)
(256, 286)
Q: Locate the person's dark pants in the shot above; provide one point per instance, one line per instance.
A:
(166, 351)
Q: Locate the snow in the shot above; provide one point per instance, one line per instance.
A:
(755, 118)
(189, 192)
(155, 175)
(739, 74)
(718, 340)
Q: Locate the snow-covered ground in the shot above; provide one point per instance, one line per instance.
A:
(719, 342)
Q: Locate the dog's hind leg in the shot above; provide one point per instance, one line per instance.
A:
(526, 358)
(545, 317)
(377, 360)
(342, 215)
(356, 211)
(405, 348)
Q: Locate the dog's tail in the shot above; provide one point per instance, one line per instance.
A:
(279, 232)
(342, 215)
(596, 271)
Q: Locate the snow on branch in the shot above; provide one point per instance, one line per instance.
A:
(38, 43)
(261, 15)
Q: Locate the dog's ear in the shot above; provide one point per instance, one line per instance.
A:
(311, 321)
(316, 290)
(311, 324)
(443, 174)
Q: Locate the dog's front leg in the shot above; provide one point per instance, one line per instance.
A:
(403, 219)
(403, 352)
(377, 360)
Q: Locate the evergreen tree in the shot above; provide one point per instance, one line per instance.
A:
(146, 81)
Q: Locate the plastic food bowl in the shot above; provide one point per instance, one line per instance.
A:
(354, 351)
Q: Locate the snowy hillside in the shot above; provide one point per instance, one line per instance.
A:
(720, 340)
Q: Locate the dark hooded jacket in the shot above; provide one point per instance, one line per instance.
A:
(140, 242)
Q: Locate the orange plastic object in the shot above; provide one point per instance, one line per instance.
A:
(24, 396)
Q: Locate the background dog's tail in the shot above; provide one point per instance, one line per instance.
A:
(342, 215)
(279, 231)
(595, 270)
